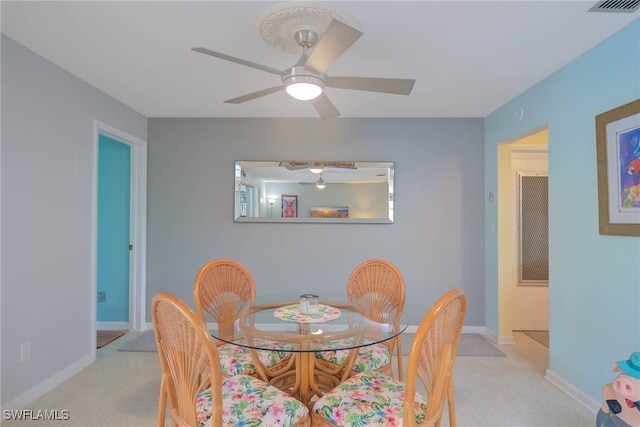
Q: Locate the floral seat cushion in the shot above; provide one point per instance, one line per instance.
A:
(369, 358)
(236, 360)
(247, 401)
(367, 399)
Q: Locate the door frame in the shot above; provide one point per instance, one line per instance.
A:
(137, 225)
(504, 235)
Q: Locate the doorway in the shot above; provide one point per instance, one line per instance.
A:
(519, 307)
(530, 282)
(114, 201)
(137, 149)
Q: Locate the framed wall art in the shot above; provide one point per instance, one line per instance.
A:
(329, 212)
(618, 158)
(289, 206)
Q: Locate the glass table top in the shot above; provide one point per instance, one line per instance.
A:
(277, 322)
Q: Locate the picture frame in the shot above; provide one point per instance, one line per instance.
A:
(329, 212)
(618, 163)
(289, 206)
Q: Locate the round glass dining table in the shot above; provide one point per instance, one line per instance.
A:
(276, 323)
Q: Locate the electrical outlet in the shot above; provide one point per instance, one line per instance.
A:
(102, 296)
(25, 351)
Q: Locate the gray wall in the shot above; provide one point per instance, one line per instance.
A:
(47, 214)
(436, 240)
(364, 200)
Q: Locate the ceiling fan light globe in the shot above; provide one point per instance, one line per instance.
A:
(304, 91)
(316, 168)
(304, 88)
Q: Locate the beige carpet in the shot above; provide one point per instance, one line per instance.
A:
(470, 345)
(105, 337)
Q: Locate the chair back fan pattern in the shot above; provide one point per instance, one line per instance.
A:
(376, 288)
(222, 289)
(187, 355)
(432, 355)
(375, 398)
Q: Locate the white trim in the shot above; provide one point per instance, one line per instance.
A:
(529, 150)
(138, 223)
(532, 155)
(572, 391)
(112, 326)
(49, 384)
(506, 339)
(493, 337)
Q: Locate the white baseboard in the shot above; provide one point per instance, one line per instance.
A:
(49, 384)
(474, 330)
(503, 339)
(572, 391)
(112, 326)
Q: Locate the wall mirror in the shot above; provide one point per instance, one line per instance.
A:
(313, 191)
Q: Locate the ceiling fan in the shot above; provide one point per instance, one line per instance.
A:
(307, 78)
(320, 183)
(317, 167)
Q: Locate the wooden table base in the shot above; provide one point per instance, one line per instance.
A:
(304, 382)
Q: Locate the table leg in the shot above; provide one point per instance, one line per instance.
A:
(305, 377)
(302, 377)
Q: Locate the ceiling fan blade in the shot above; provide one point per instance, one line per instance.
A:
(254, 95)
(324, 107)
(239, 61)
(340, 165)
(293, 166)
(372, 84)
(337, 38)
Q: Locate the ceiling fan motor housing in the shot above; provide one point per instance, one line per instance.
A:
(306, 38)
(302, 75)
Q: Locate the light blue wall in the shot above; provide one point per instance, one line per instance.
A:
(114, 170)
(594, 280)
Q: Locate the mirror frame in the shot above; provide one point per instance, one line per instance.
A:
(256, 174)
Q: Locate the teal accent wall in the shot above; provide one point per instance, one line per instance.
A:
(594, 287)
(114, 170)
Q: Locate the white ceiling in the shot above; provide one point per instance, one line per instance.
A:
(468, 57)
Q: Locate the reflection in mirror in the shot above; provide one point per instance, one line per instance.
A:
(313, 191)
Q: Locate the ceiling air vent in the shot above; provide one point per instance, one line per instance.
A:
(628, 6)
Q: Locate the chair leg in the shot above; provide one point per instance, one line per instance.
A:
(452, 405)
(162, 404)
(399, 351)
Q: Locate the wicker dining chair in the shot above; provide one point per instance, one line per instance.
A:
(221, 290)
(376, 287)
(373, 398)
(198, 394)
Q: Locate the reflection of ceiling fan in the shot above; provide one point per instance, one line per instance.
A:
(320, 183)
(306, 79)
(317, 167)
